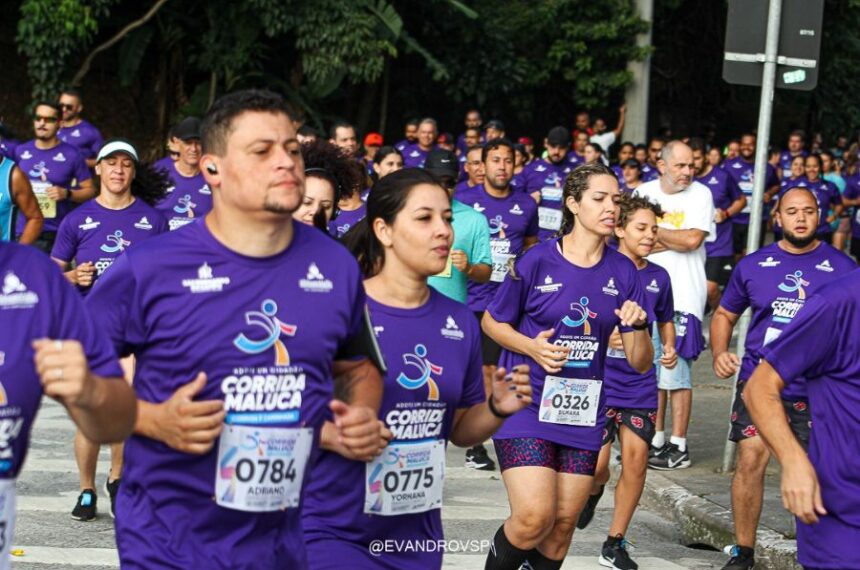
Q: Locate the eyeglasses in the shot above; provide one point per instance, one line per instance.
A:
(37, 118)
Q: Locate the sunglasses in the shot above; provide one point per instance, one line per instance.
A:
(66, 106)
(37, 118)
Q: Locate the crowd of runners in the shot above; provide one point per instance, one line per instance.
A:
(279, 331)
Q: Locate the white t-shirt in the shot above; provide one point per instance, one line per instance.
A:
(605, 140)
(690, 209)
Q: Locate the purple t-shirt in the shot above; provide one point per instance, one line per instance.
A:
(619, 173)
(826, 194)
(625, 387)
(345, 220)
(462, 187)
(852, 191)
(579, 303)
(725, 191)
(36, 301)
(649, 173)
(741, 172)
(785, 159)
(187, 199)
(265, 331)
(94, 233)
(83, 136)
(61, 166)
(414, 156)
(512, 219)
(433, 354)
(547, 178)
(820, 351)
(164, 163)
(7, 148)
(776, 285)
(574, 159)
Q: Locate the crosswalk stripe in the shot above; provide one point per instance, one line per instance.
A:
(66, 556)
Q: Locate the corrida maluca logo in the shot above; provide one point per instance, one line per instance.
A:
(419, 360)
(796, 283)
(267, 320)
(581, 314)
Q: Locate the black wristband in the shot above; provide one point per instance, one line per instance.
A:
(496, 412)
(642, 327)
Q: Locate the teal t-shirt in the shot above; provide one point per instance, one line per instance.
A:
(472, 235)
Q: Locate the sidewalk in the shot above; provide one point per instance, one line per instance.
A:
(698, 499)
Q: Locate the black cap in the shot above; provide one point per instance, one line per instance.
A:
(558, 136)
(495, 124)
(187, 129)
(631, 163)
(441, 162)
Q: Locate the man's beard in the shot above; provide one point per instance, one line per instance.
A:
(797, 241)
(496, 185)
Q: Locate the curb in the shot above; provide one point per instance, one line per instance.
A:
(705, 522)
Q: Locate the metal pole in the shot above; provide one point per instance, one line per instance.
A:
(636, 123)
(768, 80)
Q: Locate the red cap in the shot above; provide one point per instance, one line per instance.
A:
(525, 140)
(373, 139)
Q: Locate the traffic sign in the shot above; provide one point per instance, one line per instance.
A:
(799, 43)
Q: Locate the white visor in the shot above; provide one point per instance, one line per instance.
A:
(116, 146)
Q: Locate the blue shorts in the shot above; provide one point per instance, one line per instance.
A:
(678, 378)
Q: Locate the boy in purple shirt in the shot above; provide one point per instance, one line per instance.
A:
(775, 281)
(239, 323)
(434, 392)
(819, 352)
(557, 317)
(79, 369)
(631, 397)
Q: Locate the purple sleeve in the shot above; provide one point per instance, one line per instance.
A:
(806, 349)
(114, 304)
(359, 317)
(735, 298)
(665, 308)
(161, 225)
(510, 299)
(634, 293)
(97, 142)
(66, 243)
(80, 171)
(71, 320)
(852, 188)
(835, 196)
(473, 381)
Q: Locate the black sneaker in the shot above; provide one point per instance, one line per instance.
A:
(614, 554)
(85, 510)
(742, 558)
(477, 458)
(111, 488)
(588, 510)
(655, 451)
(670, 459)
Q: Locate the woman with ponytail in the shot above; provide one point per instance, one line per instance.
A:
(433, 393)
(93, 236)
(557, 317)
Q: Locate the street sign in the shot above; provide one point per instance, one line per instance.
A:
(799, 43)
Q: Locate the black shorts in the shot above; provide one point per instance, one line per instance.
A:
(739, 236)
(743, 428)
(641, 421)
(719, 269)
(490, 349)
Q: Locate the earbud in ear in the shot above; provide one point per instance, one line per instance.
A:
(212, 168)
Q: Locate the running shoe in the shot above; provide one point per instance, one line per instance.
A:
(588, 510)
(477, 458)
(111, 488)
(85, 509)
(742, 558)
(655, 451)
(614, 554)
(670, 459)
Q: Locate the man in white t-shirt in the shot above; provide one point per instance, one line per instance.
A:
(603, 136)
(687, 223)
